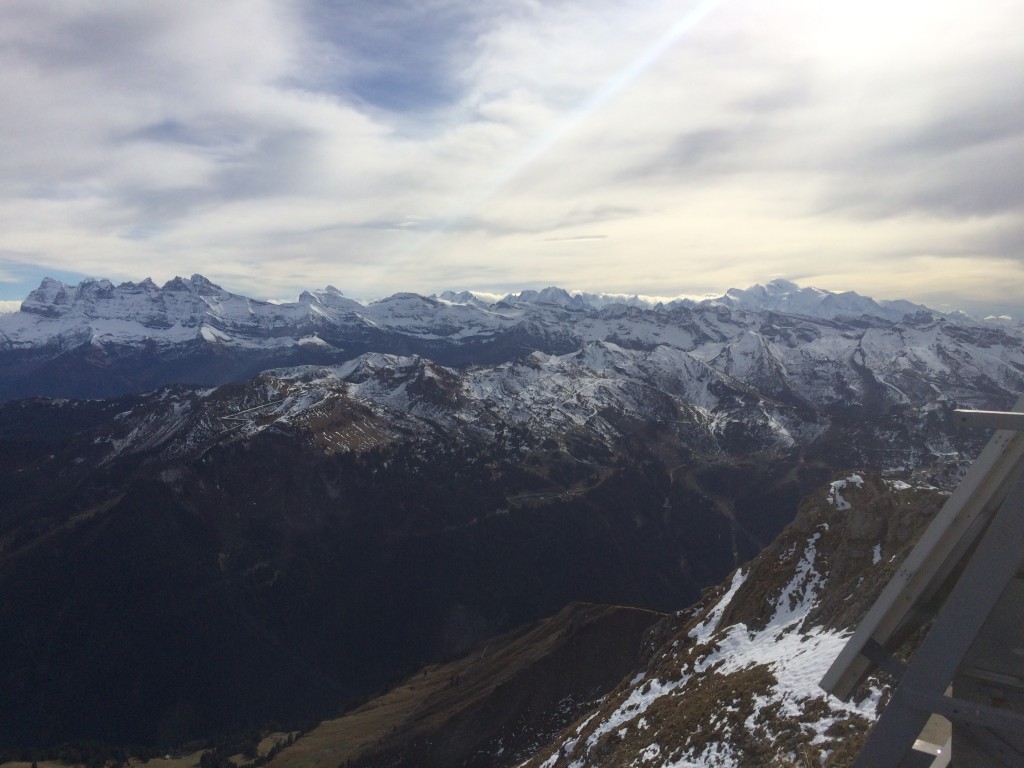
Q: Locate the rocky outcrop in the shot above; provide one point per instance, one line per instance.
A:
(733, 681)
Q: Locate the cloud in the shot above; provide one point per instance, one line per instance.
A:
(401, 58)
(953, 164)
(445, 143)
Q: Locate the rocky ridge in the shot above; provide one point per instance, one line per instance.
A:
(733, 681)
(786, 342)
(880, 397)
(730, 682)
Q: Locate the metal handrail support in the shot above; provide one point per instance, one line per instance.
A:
(954, 531)
(992, 565)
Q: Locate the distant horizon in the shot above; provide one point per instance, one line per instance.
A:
(13, 304)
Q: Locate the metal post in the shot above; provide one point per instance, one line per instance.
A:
(993, 564)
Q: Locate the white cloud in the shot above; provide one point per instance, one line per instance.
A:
(416, 147)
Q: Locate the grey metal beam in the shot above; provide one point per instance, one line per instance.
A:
(960, 711)
(980, 747)
(990, 568)
(987, 675)
(945, 543)
(918, 760)
(989, 419)
(882, 659)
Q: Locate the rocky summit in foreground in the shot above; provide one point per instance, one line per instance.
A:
(730, 683)
(734, 681)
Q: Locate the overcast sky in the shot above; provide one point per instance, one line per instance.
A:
(642, 146)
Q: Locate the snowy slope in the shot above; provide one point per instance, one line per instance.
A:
(595, 391)
(787, 297)
(57, 313)
(180, 310)
(734, 682)
(596, 399)
(725, 375)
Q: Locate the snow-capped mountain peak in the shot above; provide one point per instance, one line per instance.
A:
(795, 345)
(786, 296)
(551, 295)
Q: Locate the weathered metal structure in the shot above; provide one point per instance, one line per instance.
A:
(964, 577)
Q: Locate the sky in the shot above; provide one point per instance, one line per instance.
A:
(632, 146)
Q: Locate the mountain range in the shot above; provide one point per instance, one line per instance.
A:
(101, 340)
(252, 513)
